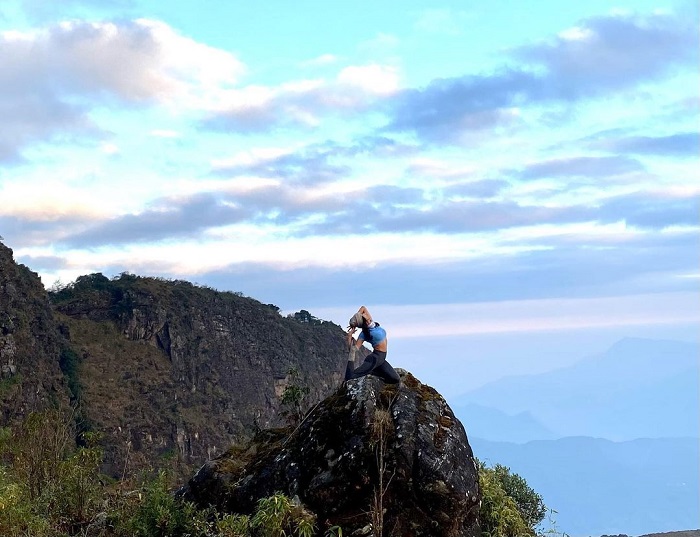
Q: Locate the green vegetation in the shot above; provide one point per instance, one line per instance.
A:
(68, 362)
(121, 290)
(305, 317)
(293, 398)
(7, 383)
(509, 506)
(52, 487)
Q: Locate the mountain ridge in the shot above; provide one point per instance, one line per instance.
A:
(637, 486)
(168, 371)
(619, 394)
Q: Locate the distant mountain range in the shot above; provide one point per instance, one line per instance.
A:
(637, 389)
(611, 443)
(601, 487)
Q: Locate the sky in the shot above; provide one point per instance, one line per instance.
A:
(507, 186)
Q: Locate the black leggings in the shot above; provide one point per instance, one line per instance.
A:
(374, 364)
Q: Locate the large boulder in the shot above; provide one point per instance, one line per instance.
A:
(370, 454)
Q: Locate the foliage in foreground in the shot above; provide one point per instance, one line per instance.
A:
(509, 507)
(50, 487)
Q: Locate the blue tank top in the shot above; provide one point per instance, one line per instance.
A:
(374, 335)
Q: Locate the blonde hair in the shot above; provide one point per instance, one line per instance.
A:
(356, 320)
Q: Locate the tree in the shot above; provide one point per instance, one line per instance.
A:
(509, 507)
(305, 317)
(529, 503)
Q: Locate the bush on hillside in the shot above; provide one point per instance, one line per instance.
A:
(509, 507)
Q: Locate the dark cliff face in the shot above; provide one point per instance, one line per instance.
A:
(30, 376)
(171, 370)
(367, 438)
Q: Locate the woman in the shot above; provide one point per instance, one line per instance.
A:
(375, 363)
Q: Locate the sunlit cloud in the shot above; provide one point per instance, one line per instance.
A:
(373, 79)
(565, 165)
(322, 60)
(301, 102)
(51, 76)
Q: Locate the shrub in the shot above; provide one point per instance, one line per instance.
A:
(529, 503)
(48, 487)
(499, 515)
(278, 516)
(293, 398)
(160, 514)
(17, 516)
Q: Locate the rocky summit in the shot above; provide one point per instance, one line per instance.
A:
(368, 456)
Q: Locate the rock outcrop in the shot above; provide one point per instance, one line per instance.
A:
(30, 344)
(368, 454)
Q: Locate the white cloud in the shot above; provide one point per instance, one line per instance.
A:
(136, 61)
(373, 79)
(53, 200)
(52, 76)
(252, 157)
(576, 34)
(302, 102)
(320, 61)
(110, 149)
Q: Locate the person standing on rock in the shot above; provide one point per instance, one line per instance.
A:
(375, 363)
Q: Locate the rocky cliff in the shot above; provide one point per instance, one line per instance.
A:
(168, 369)
(30, 345)
(168, 372)
(371, 458)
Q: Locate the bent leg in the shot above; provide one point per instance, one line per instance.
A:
(375, 364)
(387, 373)
(366, 367)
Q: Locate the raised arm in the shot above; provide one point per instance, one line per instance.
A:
(360, 340)
(365, 313)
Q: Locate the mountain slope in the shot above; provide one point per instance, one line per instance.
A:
(638, 388)
(30, 344)
(492, 424)
(169, 369)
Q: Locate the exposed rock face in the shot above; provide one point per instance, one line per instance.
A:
(172, 370)
(364, 439)
(30, 376)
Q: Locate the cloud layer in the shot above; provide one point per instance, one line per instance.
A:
(563, 167)
(52, 77)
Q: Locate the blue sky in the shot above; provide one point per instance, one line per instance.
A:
(507, 185)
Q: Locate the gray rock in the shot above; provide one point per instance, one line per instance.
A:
(401, 442)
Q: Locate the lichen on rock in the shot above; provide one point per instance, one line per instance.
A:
(369, 449)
